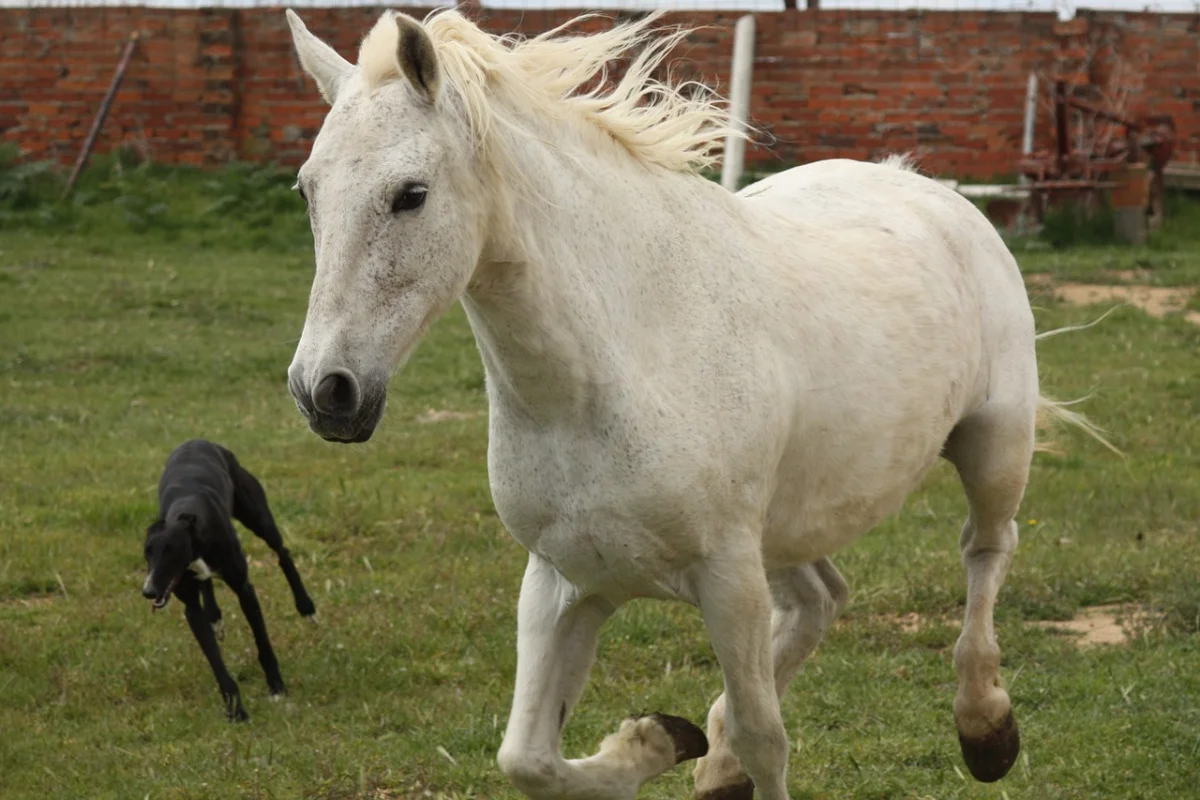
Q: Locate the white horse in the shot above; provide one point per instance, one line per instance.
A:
(694, 395)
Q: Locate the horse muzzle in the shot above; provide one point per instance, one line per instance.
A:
(339, 406)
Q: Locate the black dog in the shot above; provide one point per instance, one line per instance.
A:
(201, 488)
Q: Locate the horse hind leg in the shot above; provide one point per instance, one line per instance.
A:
(806, 599)
(991, 450)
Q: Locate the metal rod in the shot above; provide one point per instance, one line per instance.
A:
(101, 115)
(1030, 113)
(1062, 141)
(739, 101)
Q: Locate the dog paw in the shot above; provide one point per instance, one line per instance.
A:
(306, 607)
(219, 629)
(234, 710)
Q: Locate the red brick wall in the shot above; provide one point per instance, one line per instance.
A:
(209, 86)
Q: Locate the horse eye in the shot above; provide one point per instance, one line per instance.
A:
(303, 196)
(409, 198)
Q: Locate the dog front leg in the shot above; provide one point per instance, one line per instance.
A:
(266, 655)
(211, 609)
(198, 621)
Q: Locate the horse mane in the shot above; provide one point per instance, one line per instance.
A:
(678, 127)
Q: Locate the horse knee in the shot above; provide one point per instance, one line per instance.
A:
(532, 773)
(760, 743)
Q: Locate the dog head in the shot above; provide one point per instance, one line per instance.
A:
(168, 554)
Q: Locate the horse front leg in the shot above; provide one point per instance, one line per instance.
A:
(735, 600)
(806, 599)
(557, 630)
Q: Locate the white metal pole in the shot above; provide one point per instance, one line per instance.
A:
(739, 101)
(1030, 113)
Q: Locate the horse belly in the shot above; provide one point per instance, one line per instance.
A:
(822, 504)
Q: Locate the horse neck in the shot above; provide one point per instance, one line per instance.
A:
(556, 309)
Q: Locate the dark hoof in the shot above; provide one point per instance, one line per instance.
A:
(690, 741)
(734, 791)
(991, 757)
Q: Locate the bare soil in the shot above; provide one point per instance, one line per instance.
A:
(1158, 301)
(1095, 625)
(1098, 625)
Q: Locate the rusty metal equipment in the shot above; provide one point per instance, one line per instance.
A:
(1067, 174)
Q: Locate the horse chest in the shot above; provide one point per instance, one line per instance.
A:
(607, 527)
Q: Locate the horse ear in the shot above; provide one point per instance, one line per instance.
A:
(319, 60)
(417, 59)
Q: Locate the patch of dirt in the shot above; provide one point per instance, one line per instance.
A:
(1129, 275)
(1099, 625)
(910, 622)
(1157, 301)
(433, 415)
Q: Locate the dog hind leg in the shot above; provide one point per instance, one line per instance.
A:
(250, 508)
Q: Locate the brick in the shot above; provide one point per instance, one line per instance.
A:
(208, 86)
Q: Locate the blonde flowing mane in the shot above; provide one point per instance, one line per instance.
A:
(677, 127)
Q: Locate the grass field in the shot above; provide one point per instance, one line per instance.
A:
(129, 327)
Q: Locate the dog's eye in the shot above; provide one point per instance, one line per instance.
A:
(167, 550)
(410, 197)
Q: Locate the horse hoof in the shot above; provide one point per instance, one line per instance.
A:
(690, 741)
(743, 790)
(990, 757)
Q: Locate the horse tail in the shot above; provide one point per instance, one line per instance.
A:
(1051, 411)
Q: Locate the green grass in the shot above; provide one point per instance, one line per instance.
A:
(125, 334)
(1170, 258)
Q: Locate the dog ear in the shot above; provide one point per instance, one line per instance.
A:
(156, 527)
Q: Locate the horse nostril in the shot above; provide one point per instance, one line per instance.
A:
(337, 395)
